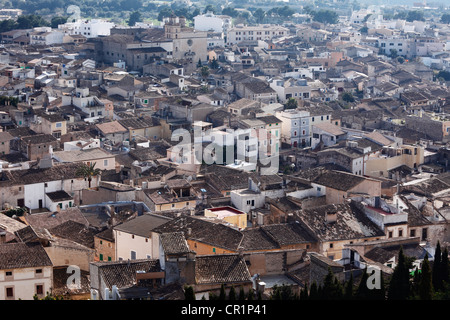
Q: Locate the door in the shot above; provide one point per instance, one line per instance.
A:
(21, 203)
(40, 203)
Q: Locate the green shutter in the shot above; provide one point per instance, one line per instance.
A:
(101, 257)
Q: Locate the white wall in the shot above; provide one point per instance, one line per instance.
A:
(24, 282)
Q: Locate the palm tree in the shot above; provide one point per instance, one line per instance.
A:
(88, 171)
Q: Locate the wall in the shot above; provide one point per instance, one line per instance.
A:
(125, 244)
(106, 248)
(25, 281)
(66, 255)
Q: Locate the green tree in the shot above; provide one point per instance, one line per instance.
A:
(204, 72)
(332, 288)
(241, 294)
(56, 21)
(443, 74)
(222, 294)
(325, 16)
(415, 15)
(283, 292)
(164, 13)
(425, 287)
(314, 292)
(230, 11)
(348, 289)
(88, 171)
(401, 60)
(291, 104)
(259, 15)
(189, 293)
(399, 285)
(348, 97)
(134, 17)
(214, 64)
(232, 294)
(393, 53)
(250, 294)
(445, 266)
(436, 271)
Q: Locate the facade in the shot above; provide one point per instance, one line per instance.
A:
(241, 33)
(22, 278)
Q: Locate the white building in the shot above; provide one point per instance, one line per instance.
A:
(295, 128)
(46, 36)
(212, 22)
(266, 32)
(135, 239)
(88, 28)
(91, 105)
(30, 275)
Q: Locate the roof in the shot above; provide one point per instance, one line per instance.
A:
(52, 219)
(39, 138)
(137, 123)
(123, 273)
(339, 180)
(111, 127)
(379, 138)
(81, 155)
(350, 223)
(329, 128)
(39, 175)
(201, 230)
(23, 255)
(142, 225)
(218, 269)
(174, 243)
(59, 196)
(76, 232)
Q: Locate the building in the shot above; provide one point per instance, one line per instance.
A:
(240, 33)
(87, 28)
(25, 271)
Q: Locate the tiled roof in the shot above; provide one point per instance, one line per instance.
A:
(350, 223)
(174, 243)
(339, 180)
(39, 138)
(217, 269)
(123, 273)
(76, 232)
(49, 220)
(111, 127)
(214, 234)
(142, 225)
(59, 196)
(23, 255)
(56, 172)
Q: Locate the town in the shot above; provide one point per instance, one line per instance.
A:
(225, 151)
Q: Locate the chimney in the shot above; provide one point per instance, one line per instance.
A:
(330, 216)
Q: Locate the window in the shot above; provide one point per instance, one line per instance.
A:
(412, 233)
(390, 234)
(38, 271)
(10, 292)
(8, 273)
(101, 256)
(331, 245)
(133, 255)
(105, 163)
(58, 124)
(39, 289)
(400, 233)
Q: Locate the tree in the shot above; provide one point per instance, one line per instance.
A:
(425, 287)
(222, 294)
(210, 8)
(443, 74)
(214, 64)
(204, 72)
(88, 171)
(241, 294)
(232, 294)
(230, 11)
(56, 21)
(401, 60)
(314, 292)
(445, 273)
(189, 293)
(348, 290)
(445, 18)
(134, 17)
(348, 97)
(415, 15)
(259, 15)
(436, 272)
(393, 53)
(164, 13)
(332, 288)
(291, 104)
(399, 285)
(283, 292)
(325, 16)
